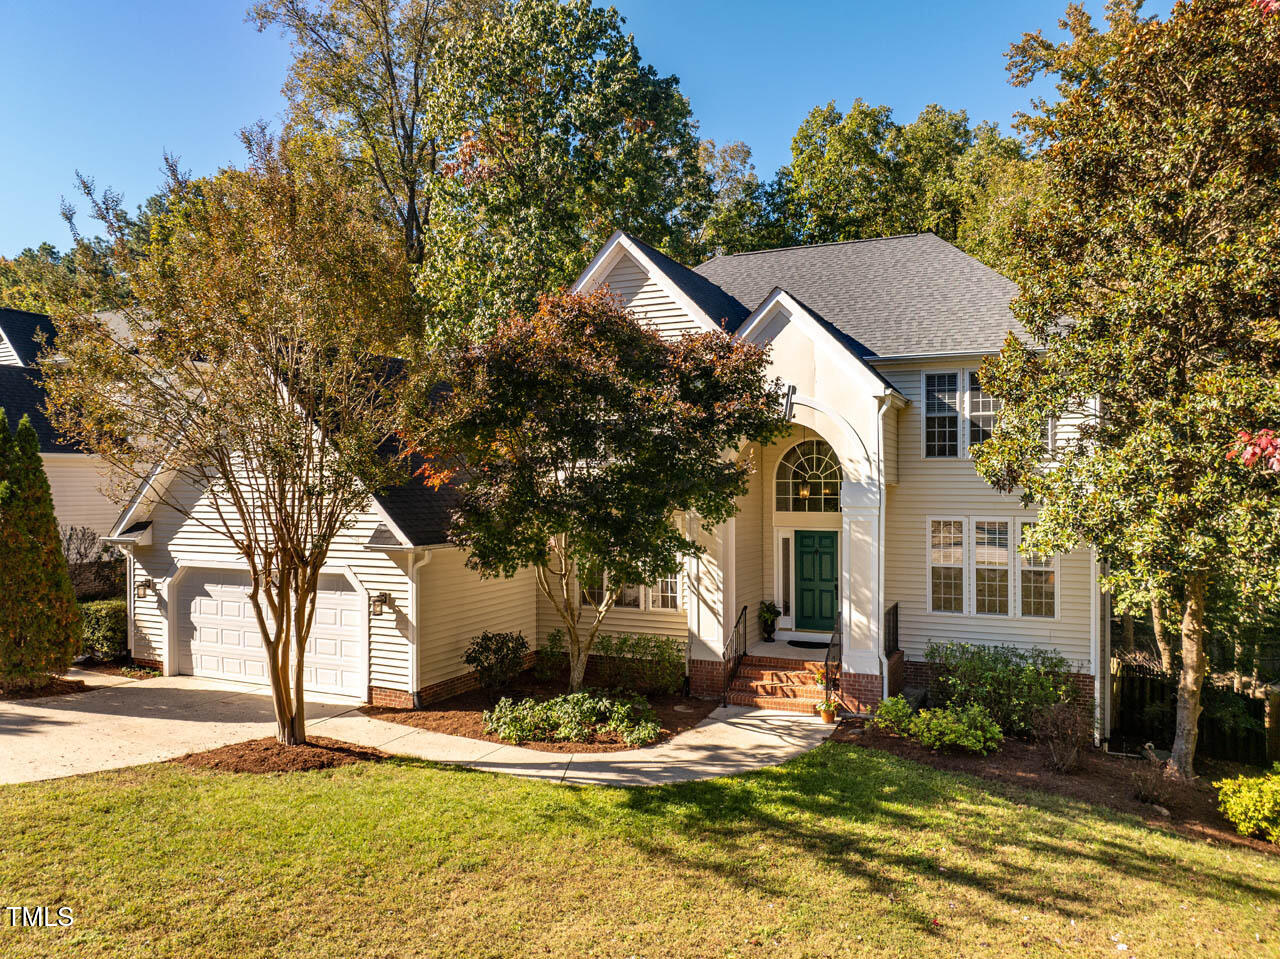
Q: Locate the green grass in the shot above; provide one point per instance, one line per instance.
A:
(843, 852)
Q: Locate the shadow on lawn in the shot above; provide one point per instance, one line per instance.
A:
(822, 804)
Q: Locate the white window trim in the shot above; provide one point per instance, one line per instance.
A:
(971, 570)
(970, 567)
(961, 413)
(648, 598)
(1055, 564)
(966, 540)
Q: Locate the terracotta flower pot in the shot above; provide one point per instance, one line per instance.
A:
(828, 715)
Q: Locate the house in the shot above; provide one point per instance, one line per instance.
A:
(867, 523)
(76, 478)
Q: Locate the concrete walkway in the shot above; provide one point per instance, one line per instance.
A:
(123, 722)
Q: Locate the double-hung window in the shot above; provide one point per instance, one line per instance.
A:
(991, 567)
(983, 408)
(942, 414)
(946, 565)
(1038, 582)
(664, 594)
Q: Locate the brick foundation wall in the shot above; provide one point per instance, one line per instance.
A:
(394, 698)
(149, 664)
(706, 678)
(860, 692)
(897, 672)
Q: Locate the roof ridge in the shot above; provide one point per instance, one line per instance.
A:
(813, 246)
(16, 309)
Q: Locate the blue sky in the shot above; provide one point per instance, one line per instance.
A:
(106, 88)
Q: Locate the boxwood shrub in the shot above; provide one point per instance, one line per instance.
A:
(106, 629)
(1012, 685)
(1252, 804)
(582, 717)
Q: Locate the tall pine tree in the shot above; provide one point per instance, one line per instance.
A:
(39, 618)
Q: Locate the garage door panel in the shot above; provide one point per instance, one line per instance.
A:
(218, 633)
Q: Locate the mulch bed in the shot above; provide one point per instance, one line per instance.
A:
(268, 756)
(56, 686)
(125, 669)
(1102, 778)
(461, 715)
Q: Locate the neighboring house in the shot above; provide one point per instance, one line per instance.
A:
(76, 478)
(869, 510)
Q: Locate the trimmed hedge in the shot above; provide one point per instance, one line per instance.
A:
(575, 718)
(646, 663)
(1252, 803)
(106, 628)
(1012, 685)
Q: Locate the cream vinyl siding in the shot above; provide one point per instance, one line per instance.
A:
(749, 537)
(647, 300)
(178, 540)
(456, 605)
(76, 481)
(951, 488)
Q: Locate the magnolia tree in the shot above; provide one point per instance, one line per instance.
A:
(242, 373)
(576, 435)
(1150, 272)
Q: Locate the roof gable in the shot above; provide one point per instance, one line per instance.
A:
(23, 331)
(907, 295)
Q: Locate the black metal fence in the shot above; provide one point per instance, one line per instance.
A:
(891, 630)
(1144, 709)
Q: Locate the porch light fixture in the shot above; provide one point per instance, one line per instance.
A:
(142, 586)
(378, 603)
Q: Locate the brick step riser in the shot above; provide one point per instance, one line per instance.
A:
(809, 694)
(772, 702)
(772, 662)
(785, 677)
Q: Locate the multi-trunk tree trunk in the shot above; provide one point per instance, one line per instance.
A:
(285, 610)
(1191, 678)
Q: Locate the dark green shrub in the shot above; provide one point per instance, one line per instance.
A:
(894, 716)
(1252, 804)
(574, 717)
(551, 664)
(39, 619)
(963, 727)
(106, 628)
(1012, 685)
(640, 662)
(497, 658)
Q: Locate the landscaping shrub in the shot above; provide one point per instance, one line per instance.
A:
(497, 658)
(1252, 804)
(1064, 730)
(39, 619)
(640, 662)
(551, 663)
(894, 716)
(106, 629)
(1013, 685)
(1152, 780)
(574, 717)
(965, 727)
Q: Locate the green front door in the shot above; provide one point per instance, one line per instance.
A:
(816, 570)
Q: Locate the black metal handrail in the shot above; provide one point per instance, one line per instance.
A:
(891, 630)
(832, 664)
(734, 650)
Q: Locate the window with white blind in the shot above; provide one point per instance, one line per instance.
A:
(664, 594)
(1037, 582)
(942, 414)
(991, 567)
(946, 565)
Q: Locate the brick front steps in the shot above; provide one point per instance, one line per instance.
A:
(789, 685)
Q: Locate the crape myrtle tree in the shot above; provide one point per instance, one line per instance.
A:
(1149, 269)
(244, 373)
(576, 435)
(39, 618)
(563, 134)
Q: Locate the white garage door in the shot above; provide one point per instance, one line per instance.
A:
(218, 633)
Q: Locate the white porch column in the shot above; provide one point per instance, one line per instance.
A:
(859, 583)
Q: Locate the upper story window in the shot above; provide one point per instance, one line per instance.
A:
(942, 414)
(983, 408)
(808, 479)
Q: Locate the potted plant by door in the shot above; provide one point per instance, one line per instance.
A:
(768, 616)
(827, 709)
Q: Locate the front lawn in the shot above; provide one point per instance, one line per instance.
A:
(843, 852)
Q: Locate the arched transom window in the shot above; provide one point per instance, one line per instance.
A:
(809, 479)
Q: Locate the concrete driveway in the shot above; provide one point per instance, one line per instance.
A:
(127, 723)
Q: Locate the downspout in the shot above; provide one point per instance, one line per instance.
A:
(415, 629)
(886, 403)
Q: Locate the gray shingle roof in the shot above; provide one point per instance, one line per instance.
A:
(720, 306)
(905, 295)
(23, 331)
(22, 394)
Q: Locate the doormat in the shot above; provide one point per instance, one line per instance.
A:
(807, 644)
